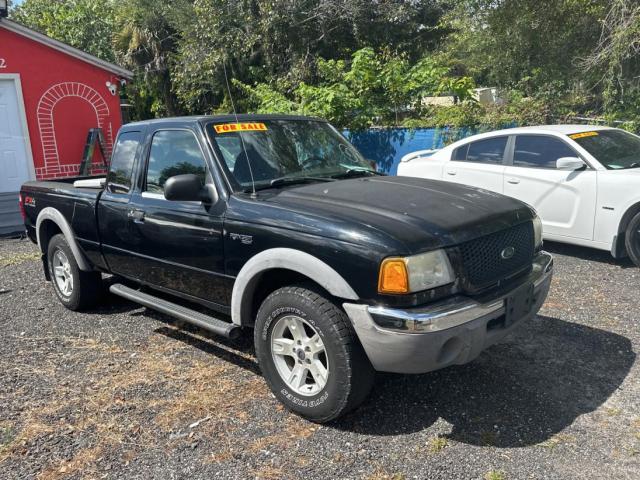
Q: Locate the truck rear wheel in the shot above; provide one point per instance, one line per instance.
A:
(632, 240)
(310, 355)
(77, 290)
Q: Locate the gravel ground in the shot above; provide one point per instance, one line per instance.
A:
(123, 392)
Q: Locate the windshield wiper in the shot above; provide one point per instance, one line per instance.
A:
(282, 181)
(357, 172)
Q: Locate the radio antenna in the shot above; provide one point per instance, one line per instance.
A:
(235, 114)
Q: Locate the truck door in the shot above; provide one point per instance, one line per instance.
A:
(181, 243)
(117, 235)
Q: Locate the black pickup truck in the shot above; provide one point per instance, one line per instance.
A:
(277, 223)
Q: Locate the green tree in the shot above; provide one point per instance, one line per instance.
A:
(374, 88)
(146, 41)
(85, 24)
(531, 45)
(615, 61)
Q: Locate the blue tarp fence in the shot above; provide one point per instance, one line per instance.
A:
(386, 146)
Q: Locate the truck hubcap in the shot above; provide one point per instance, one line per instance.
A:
(299, 355)
(62, 273)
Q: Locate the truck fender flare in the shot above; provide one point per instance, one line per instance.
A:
(50, 213)
(289, 259)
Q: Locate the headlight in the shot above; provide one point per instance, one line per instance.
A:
(537, 231)
(415, 273)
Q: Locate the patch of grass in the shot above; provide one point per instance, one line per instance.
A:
(76, 465)
(295, 429)
(268, 472)
(612, 411)
(556, 440)
(17, 258)
(381, 474)
(437, 444)
(6, 435)
(118, 404)
(495, 475)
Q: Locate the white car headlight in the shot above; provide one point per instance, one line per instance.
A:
(537, 231)
(415, 273)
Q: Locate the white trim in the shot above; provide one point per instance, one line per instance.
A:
(289, 259)
(90, 183)
(50, 213)
(63, 47)
(23, 120)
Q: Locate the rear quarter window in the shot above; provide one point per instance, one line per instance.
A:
(490, 150)
(460, 153)
(122, 160)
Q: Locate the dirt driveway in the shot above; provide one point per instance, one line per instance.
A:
(123, 392)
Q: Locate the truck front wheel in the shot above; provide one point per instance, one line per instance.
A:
(310, 355)
(77, 290)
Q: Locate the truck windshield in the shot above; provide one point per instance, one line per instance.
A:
(278, 152)
(614, 149)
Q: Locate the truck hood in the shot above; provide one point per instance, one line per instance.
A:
(413, 214)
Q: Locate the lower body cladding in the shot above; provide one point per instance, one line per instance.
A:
(452, 332)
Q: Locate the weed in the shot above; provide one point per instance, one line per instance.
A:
(437, 444)
(17, 258)
(495, 475)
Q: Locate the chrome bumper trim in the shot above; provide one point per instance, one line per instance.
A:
(457, 310)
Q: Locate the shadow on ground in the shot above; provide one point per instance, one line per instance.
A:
(586, 253)
(518, 393)
(515, 394)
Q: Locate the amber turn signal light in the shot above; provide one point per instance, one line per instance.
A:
(393, 276)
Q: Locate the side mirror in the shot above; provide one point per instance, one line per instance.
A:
(189, 188)
(570, 163)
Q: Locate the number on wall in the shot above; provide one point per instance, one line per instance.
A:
(3, 63)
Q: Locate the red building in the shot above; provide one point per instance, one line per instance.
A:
(51, 94)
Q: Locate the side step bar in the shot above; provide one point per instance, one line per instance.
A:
(194, 317)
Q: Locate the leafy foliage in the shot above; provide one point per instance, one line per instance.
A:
(362, 62)
(372, 87)
(85, 24)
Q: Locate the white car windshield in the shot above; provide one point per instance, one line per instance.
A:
(614, 149)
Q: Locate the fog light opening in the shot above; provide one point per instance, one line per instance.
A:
(450, 350)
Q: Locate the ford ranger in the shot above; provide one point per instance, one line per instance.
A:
(277, 224)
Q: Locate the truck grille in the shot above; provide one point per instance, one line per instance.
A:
(483, 260)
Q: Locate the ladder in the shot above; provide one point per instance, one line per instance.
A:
(95, 136)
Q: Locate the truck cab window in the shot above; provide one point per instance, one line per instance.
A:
(124, 153)
(173, 152)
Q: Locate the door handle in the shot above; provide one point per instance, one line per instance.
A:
(452, 172)
(513, 181)
(136, 215)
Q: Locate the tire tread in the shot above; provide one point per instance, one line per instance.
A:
(360, 376)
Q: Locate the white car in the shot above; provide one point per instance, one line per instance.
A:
(584, 181)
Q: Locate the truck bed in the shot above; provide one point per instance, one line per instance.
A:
(77, 205)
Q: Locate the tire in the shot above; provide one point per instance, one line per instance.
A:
(632, 240)
(79, 290)
(349, 375)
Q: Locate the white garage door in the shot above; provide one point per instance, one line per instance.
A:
(14, 161)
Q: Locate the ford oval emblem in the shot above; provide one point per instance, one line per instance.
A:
(507, 253)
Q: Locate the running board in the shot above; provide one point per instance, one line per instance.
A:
(194, 317)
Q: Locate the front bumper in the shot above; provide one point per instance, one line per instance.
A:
(451, 332)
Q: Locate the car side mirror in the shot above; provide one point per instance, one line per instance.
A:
(189, 188)
(570, 163)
